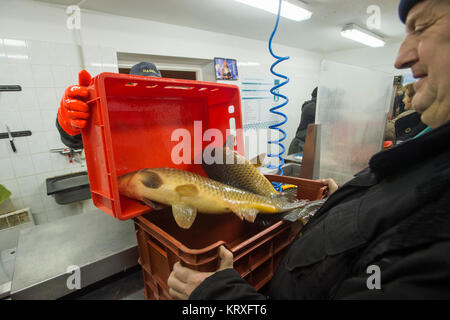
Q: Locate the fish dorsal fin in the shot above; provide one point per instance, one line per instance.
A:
(184, 215)
(187, 190)
(258, 160)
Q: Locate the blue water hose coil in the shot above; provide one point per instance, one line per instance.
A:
(276, 110)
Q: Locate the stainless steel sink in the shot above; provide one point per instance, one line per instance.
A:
(69, 188)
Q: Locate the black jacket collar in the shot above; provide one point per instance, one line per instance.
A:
(411, 152)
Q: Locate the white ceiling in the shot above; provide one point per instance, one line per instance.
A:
(321, 33)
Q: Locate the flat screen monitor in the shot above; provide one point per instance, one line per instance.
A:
(226, 69)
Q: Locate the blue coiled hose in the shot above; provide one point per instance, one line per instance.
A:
(276, 108)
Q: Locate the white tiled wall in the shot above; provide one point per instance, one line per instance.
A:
(49, 61)
(43, 70)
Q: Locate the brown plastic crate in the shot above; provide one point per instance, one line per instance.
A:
(257, 247)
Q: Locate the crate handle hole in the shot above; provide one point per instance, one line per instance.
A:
(151, 86)
(178, 87)
(131, 84)
(231, 109)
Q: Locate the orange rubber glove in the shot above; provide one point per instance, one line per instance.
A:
(73, 111)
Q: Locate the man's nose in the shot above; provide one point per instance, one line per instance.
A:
(407, 55)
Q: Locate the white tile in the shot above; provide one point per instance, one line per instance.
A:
(109, 56)
(4, 75)
(17, 204)
(21, 74)
(65, 54)
(110, 69)
(50, 203)
(12, 119)
(41, 179)
(8, 100)
(92, 56)
(17, 53)
(49, 119)
(40, 218)
(27, 99)
(23, 166)
(13, 187)
(54, 140)
(61, 76)
(58, 54)
(34, 203)
(37, 143)
(32, 120)
(28, 186)
(60, 162)
(3, 58)
(4, 148)
(42, 75)
(6, 169)
(42, 162)
(73, 55)
(40, 52)
(47, 98)
(21, 144)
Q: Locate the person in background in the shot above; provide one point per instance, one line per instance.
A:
(308, 116)
(73, 111)
(410, 125)
(226, 71)
(386, 233)
(399, 105)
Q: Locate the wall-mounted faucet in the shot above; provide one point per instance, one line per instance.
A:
(70, 153)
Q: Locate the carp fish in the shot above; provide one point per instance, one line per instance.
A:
(189, 193)
(237, 171)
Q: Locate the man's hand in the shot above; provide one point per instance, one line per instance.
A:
(74, 111)
(182, 281)
(332, 185)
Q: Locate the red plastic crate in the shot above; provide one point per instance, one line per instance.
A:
(132, 120)
(257, 249)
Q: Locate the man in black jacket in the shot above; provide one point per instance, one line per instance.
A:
(308, 117)
(386, 233)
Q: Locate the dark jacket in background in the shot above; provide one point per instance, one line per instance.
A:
(308, 117)
(395, 215)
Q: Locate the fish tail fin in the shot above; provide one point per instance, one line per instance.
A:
(305, 212)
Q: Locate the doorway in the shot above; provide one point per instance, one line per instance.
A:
(173, 74)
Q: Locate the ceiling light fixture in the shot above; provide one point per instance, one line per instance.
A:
(355, 33)
(288, 10)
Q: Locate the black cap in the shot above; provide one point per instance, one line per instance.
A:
(405, 6)
(145, 69)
